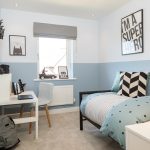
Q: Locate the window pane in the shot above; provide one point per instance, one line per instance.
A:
(52, 53)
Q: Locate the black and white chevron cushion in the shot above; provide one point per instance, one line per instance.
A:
(133, 84)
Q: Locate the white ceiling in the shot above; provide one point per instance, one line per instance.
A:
(89, 9)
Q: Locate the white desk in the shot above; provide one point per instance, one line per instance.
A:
(14, 101)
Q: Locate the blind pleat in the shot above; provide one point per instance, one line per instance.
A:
(54, 31)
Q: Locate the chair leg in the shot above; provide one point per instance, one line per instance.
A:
(30, 124)
(48, 116)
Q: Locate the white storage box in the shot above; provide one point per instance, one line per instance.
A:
(5, 87)
(138, 136)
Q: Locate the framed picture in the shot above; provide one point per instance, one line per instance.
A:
(132, 33)
(1, 29)
(17, 45)
(16, 88)
(63, 72)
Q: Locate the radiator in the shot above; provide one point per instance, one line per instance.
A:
(62, 95)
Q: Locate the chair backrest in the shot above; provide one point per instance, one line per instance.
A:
(45, 91)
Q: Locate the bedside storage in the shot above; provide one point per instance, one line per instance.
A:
(138, 136)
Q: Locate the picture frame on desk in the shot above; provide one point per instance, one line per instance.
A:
(16, 88)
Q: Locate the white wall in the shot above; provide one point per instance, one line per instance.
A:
(110, 33)
(21, 23)
(0, 39)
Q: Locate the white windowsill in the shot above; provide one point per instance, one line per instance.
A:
(55, 79)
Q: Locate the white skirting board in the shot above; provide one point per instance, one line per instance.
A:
(56, 111)
(62, 95)
(60, 110)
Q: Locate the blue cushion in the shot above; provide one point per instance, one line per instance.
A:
(148, 84)
(115, 87)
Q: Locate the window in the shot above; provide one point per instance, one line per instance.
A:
(56, 46)
(54, 52)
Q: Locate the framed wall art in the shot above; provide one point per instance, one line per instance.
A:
(1, 29)
(17, 45)
(63, 72)
(132, 33)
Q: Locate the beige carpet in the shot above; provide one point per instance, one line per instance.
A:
(64, 135)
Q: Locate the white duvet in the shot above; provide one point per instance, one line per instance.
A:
(97, 108)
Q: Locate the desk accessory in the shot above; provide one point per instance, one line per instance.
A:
(23, 97)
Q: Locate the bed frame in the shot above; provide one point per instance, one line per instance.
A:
(82, 117)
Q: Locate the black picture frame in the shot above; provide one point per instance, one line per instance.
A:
(1, 29)
(16, 88)
(132, 33)
(63, 72)
(17, 45)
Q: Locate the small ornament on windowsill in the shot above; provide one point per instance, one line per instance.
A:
(1, 29)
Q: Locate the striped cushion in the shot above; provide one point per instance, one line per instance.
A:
(133, 84)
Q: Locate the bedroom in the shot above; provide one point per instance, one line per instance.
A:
(98, 54)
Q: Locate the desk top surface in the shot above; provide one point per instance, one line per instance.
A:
(14, 99)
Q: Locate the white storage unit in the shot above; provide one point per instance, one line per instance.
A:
(138, 136)
(5, 87)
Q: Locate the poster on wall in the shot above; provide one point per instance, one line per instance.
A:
(17, 45)
(132, 33)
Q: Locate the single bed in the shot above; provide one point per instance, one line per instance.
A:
(111, 112)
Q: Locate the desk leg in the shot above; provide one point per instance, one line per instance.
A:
(3, 110)
(36, 123)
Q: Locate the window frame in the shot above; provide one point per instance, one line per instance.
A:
(70, 49)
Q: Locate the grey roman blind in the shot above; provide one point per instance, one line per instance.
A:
(54, 31)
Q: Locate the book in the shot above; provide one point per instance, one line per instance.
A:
(23, 97)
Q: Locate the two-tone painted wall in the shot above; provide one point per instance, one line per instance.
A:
(97, 57)
(111, 59)
(86, 54)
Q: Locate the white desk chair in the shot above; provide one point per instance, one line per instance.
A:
(44, 98)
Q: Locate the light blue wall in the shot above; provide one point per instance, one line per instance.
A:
(25, 71)
(107, 71)
(89, 76)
